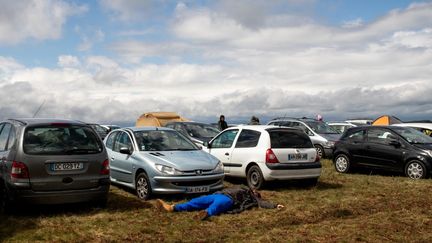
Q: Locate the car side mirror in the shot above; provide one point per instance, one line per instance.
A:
(125, 150)
(395, 143)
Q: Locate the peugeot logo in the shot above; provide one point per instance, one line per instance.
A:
(297, 151)
(198, 172)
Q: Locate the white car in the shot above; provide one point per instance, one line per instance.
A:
(423, 127)
(264, 153)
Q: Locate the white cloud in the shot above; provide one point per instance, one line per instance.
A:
(68, 61)
(355, 23)
(88, 40)
(40, 20)
(133, 10)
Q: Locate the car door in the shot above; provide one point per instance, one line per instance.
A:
(109, 144)
(379, 152)
(222, 146)
(355, 145)
(244, 151)
(4, 135)
(122, 163)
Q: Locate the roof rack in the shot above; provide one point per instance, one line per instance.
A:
(16, 120)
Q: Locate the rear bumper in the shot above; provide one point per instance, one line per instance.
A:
(291, 171)
(27, 195)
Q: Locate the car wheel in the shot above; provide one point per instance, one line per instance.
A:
(142, 186)
(320, 151)
(254, 177)
(342, 163)
(416, 170)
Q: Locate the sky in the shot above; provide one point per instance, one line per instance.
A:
(109, 61)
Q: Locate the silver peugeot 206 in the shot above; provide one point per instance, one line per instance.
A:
(156, 160)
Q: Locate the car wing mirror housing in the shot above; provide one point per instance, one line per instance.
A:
(395, 143)
(124, 150)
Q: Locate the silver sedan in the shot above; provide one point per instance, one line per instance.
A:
(161, 160)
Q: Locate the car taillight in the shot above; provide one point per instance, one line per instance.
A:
(271, 157)
(19, 170)
(105, 168)
(317, 159)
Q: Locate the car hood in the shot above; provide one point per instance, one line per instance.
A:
(331, 136)
(183, 160)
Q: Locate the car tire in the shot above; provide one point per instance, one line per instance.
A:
(255, 177)
(320, 151)
(342, 163)
(142, 186)
(415, 170)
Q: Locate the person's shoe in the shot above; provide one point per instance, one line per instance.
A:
(161, 205)
(202, 215)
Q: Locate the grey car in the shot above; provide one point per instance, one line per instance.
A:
(161, 160)
(47, 161)
(195, 131)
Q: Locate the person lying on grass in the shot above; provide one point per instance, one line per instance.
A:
(230, 200)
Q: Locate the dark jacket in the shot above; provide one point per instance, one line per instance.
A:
(222, 125)
(244, 199)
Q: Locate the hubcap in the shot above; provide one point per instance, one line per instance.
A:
(415, 170)
(142, 187)
(341, 164)
(319, 151)
(254, 178)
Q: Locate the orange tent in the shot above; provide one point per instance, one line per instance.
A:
(386, 120)
(158, 119)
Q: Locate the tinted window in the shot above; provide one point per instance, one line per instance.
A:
(320, 127)
(163, 141)
(413, 135)
(248, 139)
(381, 136)
(289, 139)
(61, 139)
(4, 136)
(12, 138)
(225, 139)
(122, 141)
(110, 140)
(355, 135)
(198, 130)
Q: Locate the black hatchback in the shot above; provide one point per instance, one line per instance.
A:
(393, 148)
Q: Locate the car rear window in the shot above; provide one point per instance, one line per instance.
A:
(289, 139)
(61, 139)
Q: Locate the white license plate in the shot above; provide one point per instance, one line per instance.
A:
(198, 189)
(67, 166)
(297, 156)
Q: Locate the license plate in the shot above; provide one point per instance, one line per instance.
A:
(297, 156)
(67, 166)
(198, 189)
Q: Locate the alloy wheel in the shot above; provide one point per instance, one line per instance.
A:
(415, 170)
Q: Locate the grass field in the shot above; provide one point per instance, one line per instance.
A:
(341, 208)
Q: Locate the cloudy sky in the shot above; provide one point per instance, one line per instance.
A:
(109, 61)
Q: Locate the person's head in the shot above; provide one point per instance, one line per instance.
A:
(256, 193)
(222, 118)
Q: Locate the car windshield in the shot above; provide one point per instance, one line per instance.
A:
(61, 139)
(321, 127)
(412, 135)
(198, 130)
(163, 140)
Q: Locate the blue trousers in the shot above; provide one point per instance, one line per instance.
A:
(214, 204)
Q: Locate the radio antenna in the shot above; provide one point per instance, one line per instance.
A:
(40, 107)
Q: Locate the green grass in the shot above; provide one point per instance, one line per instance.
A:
(341, 208)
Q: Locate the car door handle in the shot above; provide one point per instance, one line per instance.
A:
(112, 158)
(226, 153)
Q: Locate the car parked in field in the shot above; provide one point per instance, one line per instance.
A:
(159, 160)
(263, 153)
(101, 131)
(425, 128)
(47, 161)
(394, 148)
(196, 131)
(322, 135)
(341, 127)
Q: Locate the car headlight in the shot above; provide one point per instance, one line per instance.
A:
(219, 168)
(429, 152)
(167, 170)
(330, 144)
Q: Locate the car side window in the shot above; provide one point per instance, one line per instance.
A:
(4, 136)
(110, 140)
(225, 139)
(356, 136)
(248, 139)
(12, 138)
(380, 136)
(122, 141)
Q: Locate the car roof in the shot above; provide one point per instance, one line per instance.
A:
(32, 121)
(417, 124)
(136, 129)
(261, 127)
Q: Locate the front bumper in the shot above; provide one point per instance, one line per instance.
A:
(180, 184)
